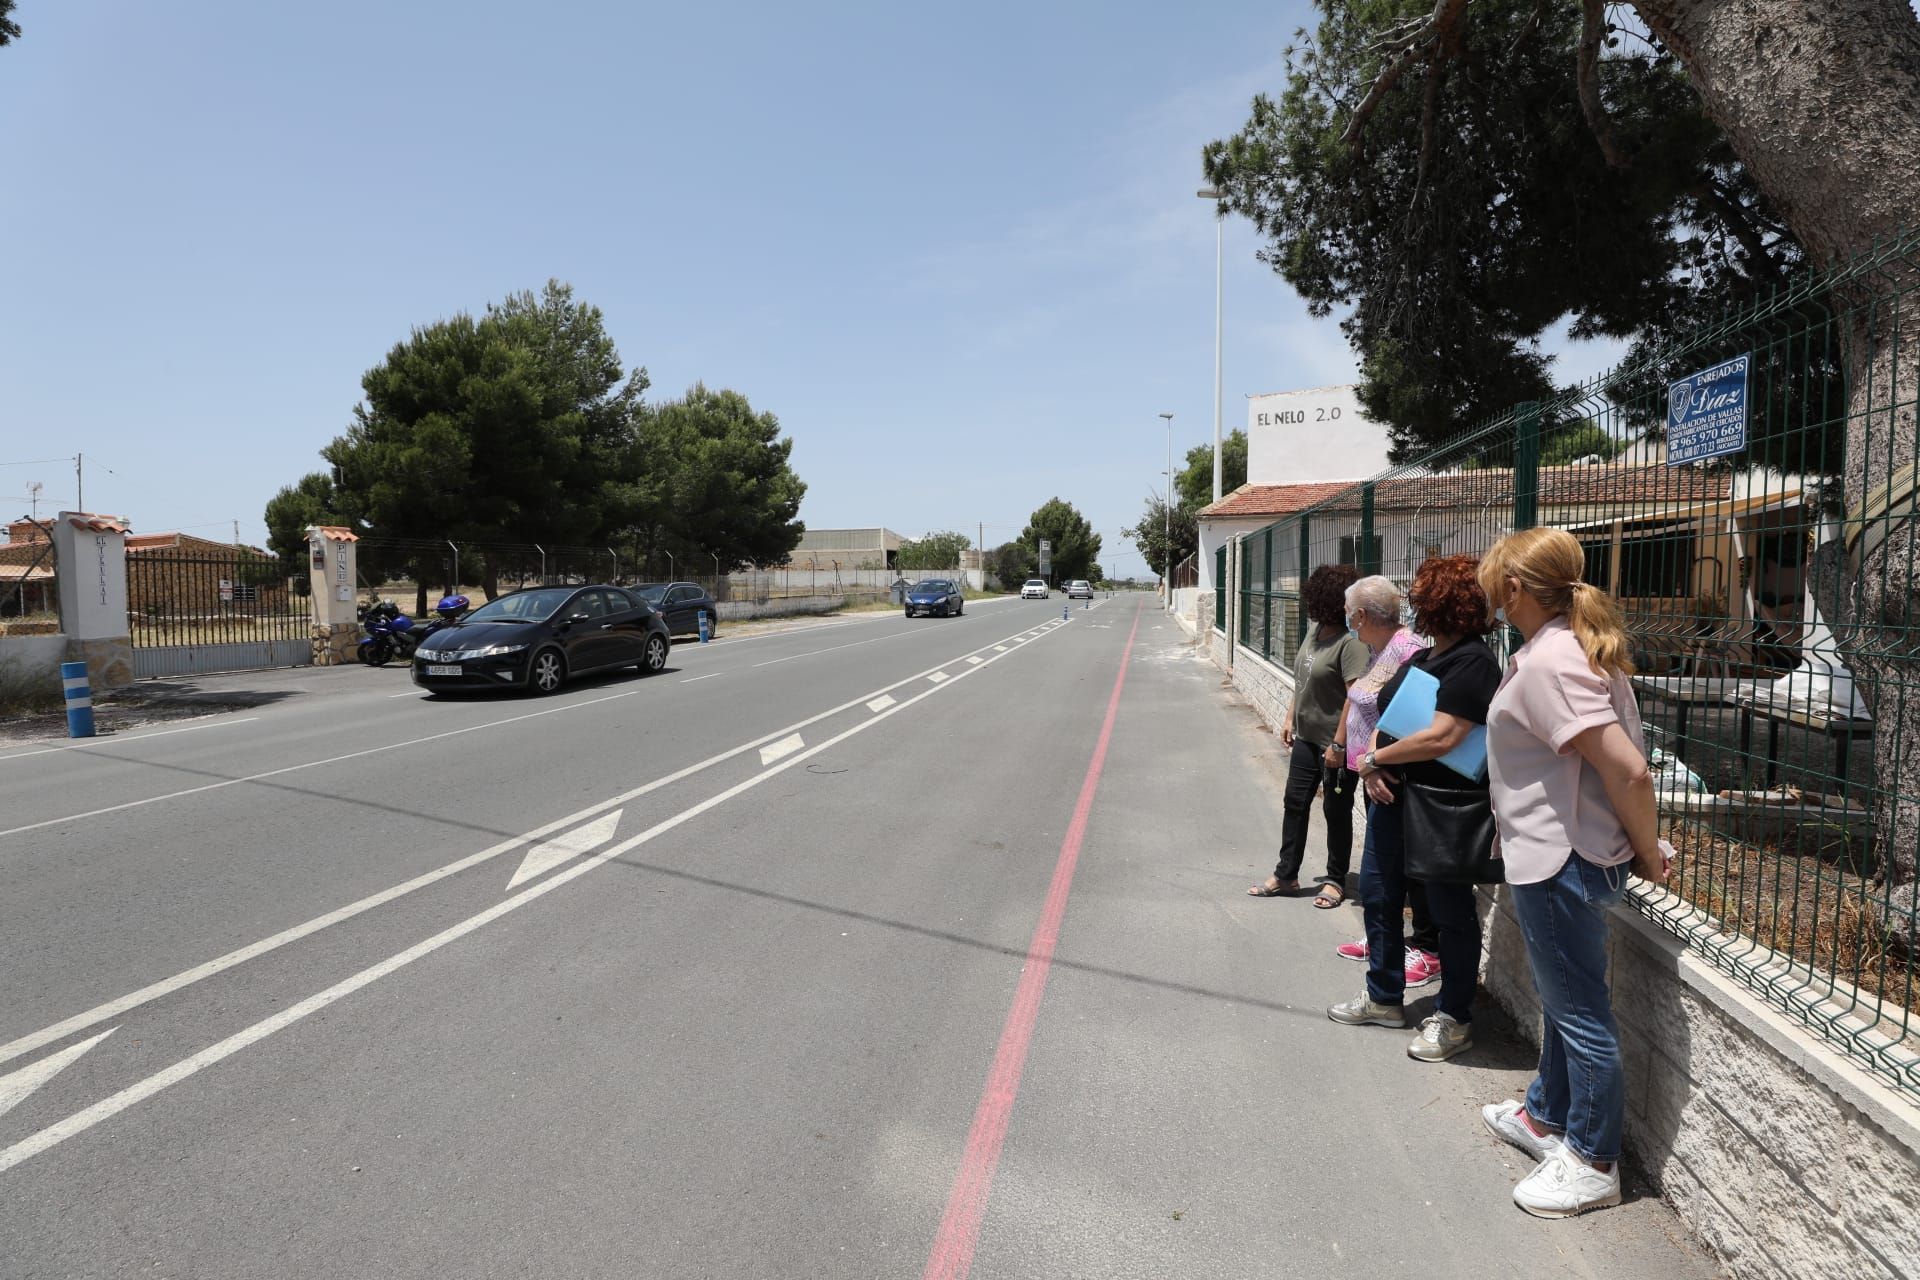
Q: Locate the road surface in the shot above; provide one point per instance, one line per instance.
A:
(884, 948)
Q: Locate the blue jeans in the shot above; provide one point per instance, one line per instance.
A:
(1384, 890)
(1581, 1091)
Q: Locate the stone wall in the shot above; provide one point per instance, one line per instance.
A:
(1265, 686)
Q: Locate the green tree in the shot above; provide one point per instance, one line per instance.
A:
(707, 475)
(9, 29)
(1151, 533)
(1581, 440)
(935, 551)
(1075, 544)
(296, 508)
(1467, 207)
(1012, 563)
(1194, 485)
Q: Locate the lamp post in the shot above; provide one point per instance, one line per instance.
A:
(1166, 513)
(1219, 252)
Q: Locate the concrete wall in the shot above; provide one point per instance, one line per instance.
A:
(737, 610)
(1317, 434)
(1783, 1156)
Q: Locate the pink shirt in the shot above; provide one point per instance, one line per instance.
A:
(1546, 798)
(1363, 696)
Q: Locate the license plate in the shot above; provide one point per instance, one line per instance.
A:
(443, 671)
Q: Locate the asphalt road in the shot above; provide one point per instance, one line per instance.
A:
(879, 948)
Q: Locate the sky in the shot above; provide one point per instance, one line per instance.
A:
(957, 251)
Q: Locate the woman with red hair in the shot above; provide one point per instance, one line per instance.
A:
(1448, 606)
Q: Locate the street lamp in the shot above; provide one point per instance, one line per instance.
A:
(1216, 195)
(1166, 512)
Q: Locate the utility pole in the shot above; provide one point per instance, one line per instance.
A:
(236, 533)
(1166, 511)
(79, 483)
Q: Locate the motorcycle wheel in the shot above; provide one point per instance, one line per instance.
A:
(378, 654)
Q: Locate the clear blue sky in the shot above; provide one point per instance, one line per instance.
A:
(957, 251)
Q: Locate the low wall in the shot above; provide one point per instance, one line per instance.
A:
(1784, 1157)
(740, 610)
(109, 662)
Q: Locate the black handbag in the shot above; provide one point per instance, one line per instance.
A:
(1449, 835)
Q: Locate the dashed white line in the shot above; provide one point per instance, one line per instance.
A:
(711, 675)
(974, 659)
(785, 747)
(999, 648)
(881, 703)
(937, 677)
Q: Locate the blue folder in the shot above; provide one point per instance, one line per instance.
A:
(1413, 708)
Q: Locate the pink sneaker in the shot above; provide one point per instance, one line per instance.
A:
(1423, 967)
(1352, 951)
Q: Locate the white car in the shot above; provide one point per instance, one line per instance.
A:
(1036, 589)
(1079, 589)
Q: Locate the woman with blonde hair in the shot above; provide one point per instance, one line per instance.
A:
(1573, 798)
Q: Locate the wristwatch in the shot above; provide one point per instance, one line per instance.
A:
(1368, 764)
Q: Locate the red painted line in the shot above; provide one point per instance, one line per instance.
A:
(953, 1245)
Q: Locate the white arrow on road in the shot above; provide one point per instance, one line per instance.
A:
(543, 858)
(15, 1088)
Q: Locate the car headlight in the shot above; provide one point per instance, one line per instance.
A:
(495, 650)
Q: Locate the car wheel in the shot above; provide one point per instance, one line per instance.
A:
(960, 608)
(656, 656)
(547, 672)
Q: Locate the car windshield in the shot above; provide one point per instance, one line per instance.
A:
(652, 592)
(523, 606)
(933, 584)
(1036, 582)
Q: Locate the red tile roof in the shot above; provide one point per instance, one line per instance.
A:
(1572, 486)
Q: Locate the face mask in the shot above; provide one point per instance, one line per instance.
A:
(1500, 614)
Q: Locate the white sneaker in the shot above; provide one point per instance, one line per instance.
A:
(1563, 1185)
(1503, 1122)
(1440, 1038)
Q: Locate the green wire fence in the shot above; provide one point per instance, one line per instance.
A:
(1774, 603)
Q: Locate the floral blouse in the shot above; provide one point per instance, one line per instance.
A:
(1363, 699)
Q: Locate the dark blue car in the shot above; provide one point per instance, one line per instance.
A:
(935, 595)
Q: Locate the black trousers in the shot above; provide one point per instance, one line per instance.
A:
(1307, 772)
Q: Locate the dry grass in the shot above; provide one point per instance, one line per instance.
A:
(26, 692)
(240, 629)
(1809, 906)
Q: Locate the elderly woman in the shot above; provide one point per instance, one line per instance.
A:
(1373, 614)
(1574, 801)
(1449, 607)
(1329, 661)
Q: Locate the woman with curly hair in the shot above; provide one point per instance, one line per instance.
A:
(1448, 606)
(1331, 658)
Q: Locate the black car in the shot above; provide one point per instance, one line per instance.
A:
(536, 639)
(936, 595)
(681, 604)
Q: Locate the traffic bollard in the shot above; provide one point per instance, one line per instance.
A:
(73, 677)
(706, 629)
(1066, 609)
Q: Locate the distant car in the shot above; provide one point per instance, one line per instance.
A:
(539, 638)
(681, 604)
(1079, 589)
(1036, 589)
(936, 595)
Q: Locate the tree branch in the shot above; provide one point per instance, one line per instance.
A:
(1402, 46)
(1593, 29)
(1738, 220)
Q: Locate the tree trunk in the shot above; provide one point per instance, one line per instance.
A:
(1821, 102)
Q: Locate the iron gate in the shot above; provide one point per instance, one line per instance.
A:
(191, 613)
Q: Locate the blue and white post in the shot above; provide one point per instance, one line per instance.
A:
(73, 677)
(1066, 609)
(706, 628)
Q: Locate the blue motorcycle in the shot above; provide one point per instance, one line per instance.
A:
(391, 633)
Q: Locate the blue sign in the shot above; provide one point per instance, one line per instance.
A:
(1707, 413)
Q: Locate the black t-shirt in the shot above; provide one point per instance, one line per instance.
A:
(1469, 676)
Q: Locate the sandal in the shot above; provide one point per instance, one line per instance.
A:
(1329, 897)
(1274, 888)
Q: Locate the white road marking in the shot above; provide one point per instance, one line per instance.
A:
(543, 858)
(410, 693)
(311, 764)
(974, 659)
(116, 740)
(999, 648)
(15, 1088)
(881, 703)
(186, 978)
(108, 1107)
(938, 677)
(709, 676)
(785, 747)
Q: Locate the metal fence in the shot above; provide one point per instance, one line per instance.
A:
(1770, 593)
(192, 612)
(29, 587)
